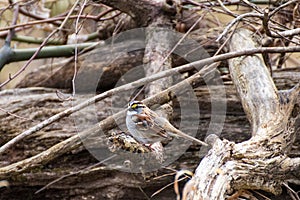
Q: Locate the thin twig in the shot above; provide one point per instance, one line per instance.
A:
(76, 49)
(253, 6)
(168, 185)
(186, 174)
(265, 22)
(144, 81)
(144, 193)
(240, 17)
(225, 42)
(14, 115)
(104, 13)
(29, 61)
(282, 6)
(40, 47)
(14, 21)
(226, 9)
(263, 196)
(111, 17)
(32, 15)
(48, 21)
(295, 194)
(75, 173)
(182, 38)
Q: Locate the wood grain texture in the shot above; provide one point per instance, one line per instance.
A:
(256, 163)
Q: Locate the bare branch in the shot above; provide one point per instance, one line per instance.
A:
(282, 6)
(103, 126)
(291, 32)
(144, 81)
(40, 47)
(237, 19)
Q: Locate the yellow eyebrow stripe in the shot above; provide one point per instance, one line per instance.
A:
(133, 106)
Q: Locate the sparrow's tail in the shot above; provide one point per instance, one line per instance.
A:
(170, 128)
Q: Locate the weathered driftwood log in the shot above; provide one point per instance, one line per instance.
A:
(38, 104)
(262, 161)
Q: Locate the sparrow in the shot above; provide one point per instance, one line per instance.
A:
(147, 127)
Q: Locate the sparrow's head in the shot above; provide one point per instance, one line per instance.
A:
(135, 107)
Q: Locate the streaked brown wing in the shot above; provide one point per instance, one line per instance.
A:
(156, 126)
(145, 123)
(158, 130)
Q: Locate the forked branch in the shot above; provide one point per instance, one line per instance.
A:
(261, 162)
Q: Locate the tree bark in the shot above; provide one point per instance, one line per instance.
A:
(262, 161)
